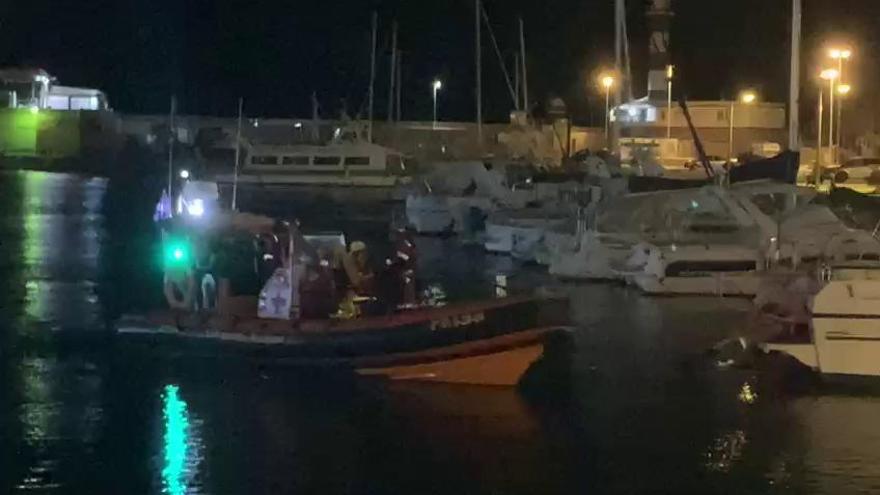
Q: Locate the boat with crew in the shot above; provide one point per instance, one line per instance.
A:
(213, 315)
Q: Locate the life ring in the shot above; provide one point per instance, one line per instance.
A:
(178, 297)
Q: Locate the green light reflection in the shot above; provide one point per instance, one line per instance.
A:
(175, 442)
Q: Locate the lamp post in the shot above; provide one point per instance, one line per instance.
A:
(831, 76)
(607, 82)
(841, 55)
(843, 90)
(746, 97)
(670, 71)
(435, 86)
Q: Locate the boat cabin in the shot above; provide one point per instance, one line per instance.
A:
(349, 159)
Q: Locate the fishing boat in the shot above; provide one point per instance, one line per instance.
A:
(490, 342)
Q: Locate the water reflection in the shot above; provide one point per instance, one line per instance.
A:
(61, 244)
(726, 451)
(60, 417)
(181, 445)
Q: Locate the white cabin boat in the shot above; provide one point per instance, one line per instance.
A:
(843, 334)
(354, 163)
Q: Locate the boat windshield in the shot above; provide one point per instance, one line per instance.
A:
(693, 211)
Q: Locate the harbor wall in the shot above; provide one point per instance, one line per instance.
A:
(427, 141)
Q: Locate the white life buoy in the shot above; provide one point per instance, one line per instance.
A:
(180, 297)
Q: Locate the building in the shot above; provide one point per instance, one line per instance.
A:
(757, 127)
(41, 119)
(726, 128)
(36, 88)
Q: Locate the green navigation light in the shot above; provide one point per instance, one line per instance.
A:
(177, 253)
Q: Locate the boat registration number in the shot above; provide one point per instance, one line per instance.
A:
(456, 321)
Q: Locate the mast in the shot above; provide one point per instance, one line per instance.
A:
(479, 66)
(794, 97)
(238, 152)
(171, 139)
(513, 93)
(393, 69)
(516, 77)
(618, 49)
(522, 57)
(372, 79)
(316, 133)
(397, 87)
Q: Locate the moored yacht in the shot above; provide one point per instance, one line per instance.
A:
(841, 332)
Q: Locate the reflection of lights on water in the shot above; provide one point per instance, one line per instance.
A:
(747, 394)
(725, 451)
(175, 442)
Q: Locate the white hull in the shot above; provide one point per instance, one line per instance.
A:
(845, 336)
(315, 180)
(591, 259)
(521, 242)
(430, 214)
(739, 284)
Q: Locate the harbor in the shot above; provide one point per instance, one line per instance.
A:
(662, 281)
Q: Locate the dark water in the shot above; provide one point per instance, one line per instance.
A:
(645, 414)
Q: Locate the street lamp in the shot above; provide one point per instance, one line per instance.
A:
(746, 98)
(670, 72)
(607, 82)
(841, 55)
(831, 76)
(436, 86)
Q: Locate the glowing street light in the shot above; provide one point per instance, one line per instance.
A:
(436, 86)
(607, 82)
(747, 98)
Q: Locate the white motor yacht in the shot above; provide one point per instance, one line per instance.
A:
(711, 240)
(444, 199)
(841, 336)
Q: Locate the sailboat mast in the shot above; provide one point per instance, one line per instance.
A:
(479, 70)
(391, 79)
(372, 79)
(237, 154)
(619, 12)
(794, 97)
(397, 69)
(516, 78)
(522, 58)
(171, 139)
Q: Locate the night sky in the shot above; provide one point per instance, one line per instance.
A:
(276, 52)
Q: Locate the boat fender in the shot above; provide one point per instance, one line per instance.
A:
(180, 292)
